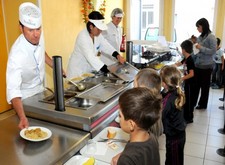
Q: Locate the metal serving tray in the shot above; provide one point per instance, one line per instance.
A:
(102, 92)
(124, 71)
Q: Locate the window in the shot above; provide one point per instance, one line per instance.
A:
(146, 14)
(150, 15)
(187, 13)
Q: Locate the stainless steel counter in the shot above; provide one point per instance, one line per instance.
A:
(73, 117)
(63, 144)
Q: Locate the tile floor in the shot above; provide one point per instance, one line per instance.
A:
(202, 136)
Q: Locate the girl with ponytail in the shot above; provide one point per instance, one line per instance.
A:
(172, 115)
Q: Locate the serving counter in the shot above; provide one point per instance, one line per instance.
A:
(62, 145)
(92, 120)
(90, 110)
(71, 128)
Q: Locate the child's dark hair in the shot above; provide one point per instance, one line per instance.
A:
(218, 41)
(149, 78)
(187, 45)
(171, 76)
(142, 105)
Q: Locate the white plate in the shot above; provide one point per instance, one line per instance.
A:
(117, 119)
(76, 160)
(79, 160)
(120, 134)
(49, 133)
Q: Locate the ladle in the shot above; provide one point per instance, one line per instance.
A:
(80, 86)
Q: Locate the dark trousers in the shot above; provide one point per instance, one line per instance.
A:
(175, 150)
(203, 78)
(189, 101)
(217, 76)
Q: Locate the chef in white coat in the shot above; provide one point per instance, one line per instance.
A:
(113, 34)
(89, 45)
(26, 61)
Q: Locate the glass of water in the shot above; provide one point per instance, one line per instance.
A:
(91, 147)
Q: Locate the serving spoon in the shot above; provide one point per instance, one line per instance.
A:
(80, 86)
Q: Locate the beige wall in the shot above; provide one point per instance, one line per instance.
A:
(9, 31)
(62, 21)
(11, 15)
(168, 19)
(3, 104)
(220, 16)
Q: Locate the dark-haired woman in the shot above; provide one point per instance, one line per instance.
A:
(88, 47)
(206, 43)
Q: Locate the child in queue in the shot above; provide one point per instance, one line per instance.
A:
(151, 79)
(217, 73)
(139, 109)
(172, 115)
(188, 79)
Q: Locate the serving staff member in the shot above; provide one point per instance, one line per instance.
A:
(88, 47)
(113, 34)
(26, 62)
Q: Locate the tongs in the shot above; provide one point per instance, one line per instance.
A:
(112, 140)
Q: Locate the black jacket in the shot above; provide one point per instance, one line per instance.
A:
(172, 118)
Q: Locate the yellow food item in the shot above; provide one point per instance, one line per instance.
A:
(36, 133)
(90, 161)
(87, 75)
(76, 79)
(111, 133)
(159, 66)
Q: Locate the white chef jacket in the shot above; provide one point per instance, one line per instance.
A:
(25, 69)
(84, 57)
(113, 35)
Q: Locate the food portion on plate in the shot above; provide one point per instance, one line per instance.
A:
(35, 133)
(82, 160)
(90, 161)
(111, 133)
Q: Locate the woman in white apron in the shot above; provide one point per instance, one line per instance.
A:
(88, 48)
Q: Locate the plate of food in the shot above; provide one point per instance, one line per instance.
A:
(35, 133)
(113, 133)
(79, 159)
(108, 143)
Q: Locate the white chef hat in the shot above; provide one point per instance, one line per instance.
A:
(30, 15)
(117, 12)
(99, 23)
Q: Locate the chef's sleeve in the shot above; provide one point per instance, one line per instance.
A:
(89, 52)
(107, 48)
(13, 79)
